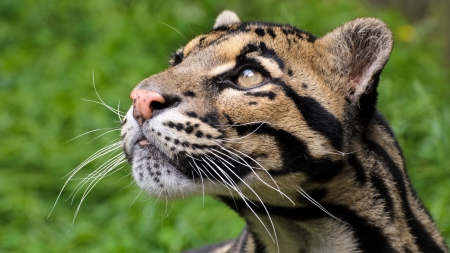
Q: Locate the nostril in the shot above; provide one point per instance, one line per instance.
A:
(169, 102)
(155, 105)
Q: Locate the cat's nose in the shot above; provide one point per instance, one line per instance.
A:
(144, 103)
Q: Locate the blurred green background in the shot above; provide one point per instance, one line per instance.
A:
(49, 51)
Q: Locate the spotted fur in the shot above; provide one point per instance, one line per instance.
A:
(304, 157)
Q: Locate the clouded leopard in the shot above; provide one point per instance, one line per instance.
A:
(282, 127)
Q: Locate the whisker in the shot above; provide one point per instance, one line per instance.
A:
(118, 129)
(88, 132)
(304, 194)
(173, 29)
(105, 150)
(257, 196)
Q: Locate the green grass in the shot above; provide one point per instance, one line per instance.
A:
(48, 53)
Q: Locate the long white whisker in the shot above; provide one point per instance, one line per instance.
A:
(88, 132)
(103, 134)
(245, 136)
(114, 110)
(304, 194)
(91, 186)
(99, 153)
(257, 196)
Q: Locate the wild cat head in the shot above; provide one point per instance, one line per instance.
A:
(253, 107)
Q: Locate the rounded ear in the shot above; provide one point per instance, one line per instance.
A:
(225, 18)
(360, 49)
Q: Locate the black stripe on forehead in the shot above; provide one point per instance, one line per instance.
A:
(262, 50)
(269, 28)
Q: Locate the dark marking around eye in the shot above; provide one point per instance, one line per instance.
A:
(270, 53)
(191, 114)
(290, 72)
(271, 95)
(252, 103)
(189, 93)
(271, 33)
(250, 48)
(260, 32)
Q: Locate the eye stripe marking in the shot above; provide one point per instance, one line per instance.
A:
(316, 116)
(270, 95)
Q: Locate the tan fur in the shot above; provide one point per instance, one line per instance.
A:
(310, 127)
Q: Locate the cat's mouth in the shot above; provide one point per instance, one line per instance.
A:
(144, 142)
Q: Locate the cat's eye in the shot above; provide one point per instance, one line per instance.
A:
(248, 78)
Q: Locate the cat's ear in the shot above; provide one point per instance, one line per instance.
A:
(225, 18)
(360, 49)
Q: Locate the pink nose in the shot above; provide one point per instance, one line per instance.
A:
(142, 104)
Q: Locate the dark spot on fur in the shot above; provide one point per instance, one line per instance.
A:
(189, 129)
(167, 138)
(185, 144)
(199, 134)
(208, 136)
(252, 103)
(179, 126)
(260, 32)
(176, 142)
(271, 33)
(189, 93)
(200, 41)
(290, 72)
(171, 124)
(305, 85)
(211, 119)
(176, 58)
(191, 114)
